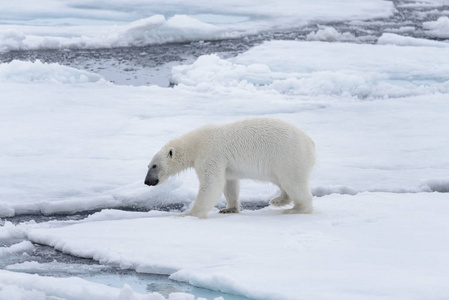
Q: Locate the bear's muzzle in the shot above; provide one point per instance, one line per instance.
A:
(151, 178)
(151, 182)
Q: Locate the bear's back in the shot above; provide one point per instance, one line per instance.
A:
(253, 148)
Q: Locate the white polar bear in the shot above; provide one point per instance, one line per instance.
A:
(258, 148)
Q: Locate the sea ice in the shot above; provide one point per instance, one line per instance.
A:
(86, 143)
(336, 69)
(18, 248)
(330, 34)
(28, 72)
(438, 28)
(351, 247)
(399, 40)
(15, 285)
(100, 24)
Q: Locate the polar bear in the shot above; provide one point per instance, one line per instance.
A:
(263, 149)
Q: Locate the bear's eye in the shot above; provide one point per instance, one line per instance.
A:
(153, 166)
(170, 153)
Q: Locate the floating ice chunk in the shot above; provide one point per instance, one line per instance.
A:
(330, 34)
(399, 40)
(11, 40)
(25, 72)
(10, 231)
(148, 31)
(26, 286)
(25, 246)
(158, 30)
(213, 69)
(438, 28)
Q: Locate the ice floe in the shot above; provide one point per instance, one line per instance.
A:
(100, 24)
(85, 143)
(350, 247)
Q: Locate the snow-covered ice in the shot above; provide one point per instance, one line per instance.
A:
(369, 246)
(438, 28)
(314, 68)
(26, 286)
(18, 248)
(395, 39)
(100, 24)
(330, 34)
(28, 72)
(86, 143)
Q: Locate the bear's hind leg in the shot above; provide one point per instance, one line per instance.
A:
(281, 200)
(231, 192)
(302, 200)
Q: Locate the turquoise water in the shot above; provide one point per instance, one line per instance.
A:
(148, 283)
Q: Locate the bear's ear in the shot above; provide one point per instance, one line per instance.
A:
(170, 152)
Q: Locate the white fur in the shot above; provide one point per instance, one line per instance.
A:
(259, 148)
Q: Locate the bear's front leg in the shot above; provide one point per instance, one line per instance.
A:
(231, 192)
(211, 188)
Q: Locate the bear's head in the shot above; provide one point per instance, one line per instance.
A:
(161, 166)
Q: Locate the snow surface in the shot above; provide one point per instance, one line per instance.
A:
(86, 143)
(369, 246)
(101, 24)
(26, 72)
(395, 39)
(335, 69)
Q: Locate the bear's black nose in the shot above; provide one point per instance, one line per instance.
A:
(151, 182)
